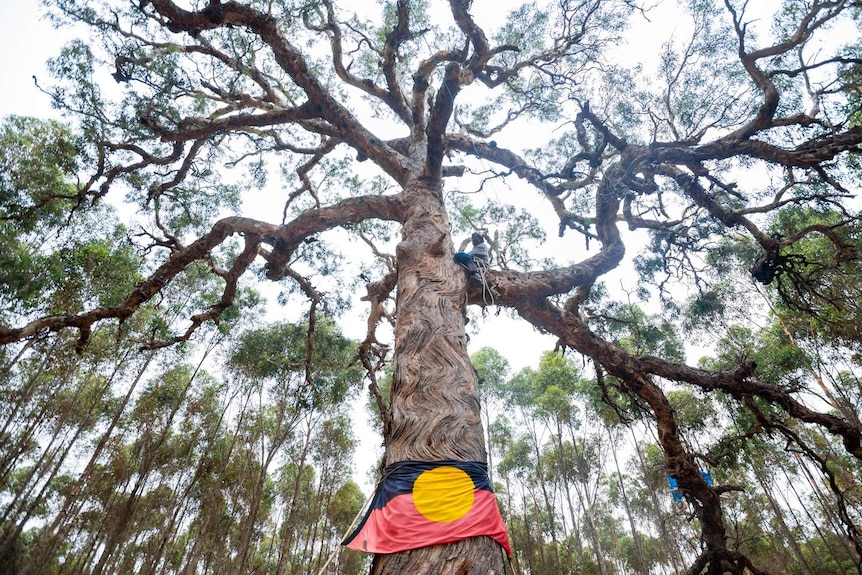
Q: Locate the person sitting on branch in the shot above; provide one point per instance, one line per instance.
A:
(475, 259)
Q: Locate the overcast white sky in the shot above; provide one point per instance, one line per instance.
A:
(26, 43)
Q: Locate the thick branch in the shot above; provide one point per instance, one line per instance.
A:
(231, 278)
(349, 211)
(320, 102)
(512, 288)
(285, 239)
(818, 14)
(740, 384)
(176, 263)
(481, 49)
(444, 103)
(624, 366)
(391, 95)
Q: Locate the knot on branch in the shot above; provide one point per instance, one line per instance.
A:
(745, 370)
(452, 74)
(846, 253)
(853, 444)
(420, 82)
(213, 11)
(768, 265)
(276, 264)
(438, 247)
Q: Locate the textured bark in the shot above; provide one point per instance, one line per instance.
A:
(435, 412)
(435, 408)
(478, 555)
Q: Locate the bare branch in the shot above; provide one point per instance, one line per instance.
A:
(231, 277)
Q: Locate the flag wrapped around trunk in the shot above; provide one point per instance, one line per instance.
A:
(423, 503)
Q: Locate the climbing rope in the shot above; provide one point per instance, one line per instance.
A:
(486, 289)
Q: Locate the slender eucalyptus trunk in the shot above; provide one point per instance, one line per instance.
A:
(527, 546)
(670, 543)
(586, 502)
(287, 529)
(183, 499)
(811, 520)
(564, 478)
(830, 514)
(27, 392)
(547, 501)
(45, 547)
(209, 508)
(26, 437)
(257, 495)
(488, 439)
(321, 525)
(593, 531)
(6, 369)
(642, 567)
(789, 540)
(43, 471)
(129, 507)
(516, 562)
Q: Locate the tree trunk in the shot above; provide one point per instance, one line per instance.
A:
(183, 501)
(828, 512)
(45, 547)
(28, 389)
(435, 412)
(812, 522)
(286, 544)
(673, 552)
(576, 532)
(30, 422)
(150, 455)
(642, 567)
(593, 531)
(251, 519)
(582, 488)
(488, 440)
(547, 500)
(784, 530)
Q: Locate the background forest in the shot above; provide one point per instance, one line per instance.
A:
(212, 426)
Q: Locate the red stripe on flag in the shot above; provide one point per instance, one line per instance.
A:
(399, 526)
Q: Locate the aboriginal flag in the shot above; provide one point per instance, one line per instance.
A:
(423, 503)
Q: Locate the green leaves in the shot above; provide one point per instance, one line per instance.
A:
(641, 333)
(817, 275)
(94, 274)
(491, 367)
(38, 160)
(57, 253)
(280, 353)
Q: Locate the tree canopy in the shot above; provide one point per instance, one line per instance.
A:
(724, 168)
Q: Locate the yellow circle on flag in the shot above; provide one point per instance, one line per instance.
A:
(443, 494)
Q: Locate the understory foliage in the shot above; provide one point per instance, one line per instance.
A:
(670, 191)
(584, 489)
(123, 461)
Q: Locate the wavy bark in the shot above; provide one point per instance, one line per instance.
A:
(435, 411)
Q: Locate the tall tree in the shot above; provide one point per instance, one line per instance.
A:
(369, 116)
